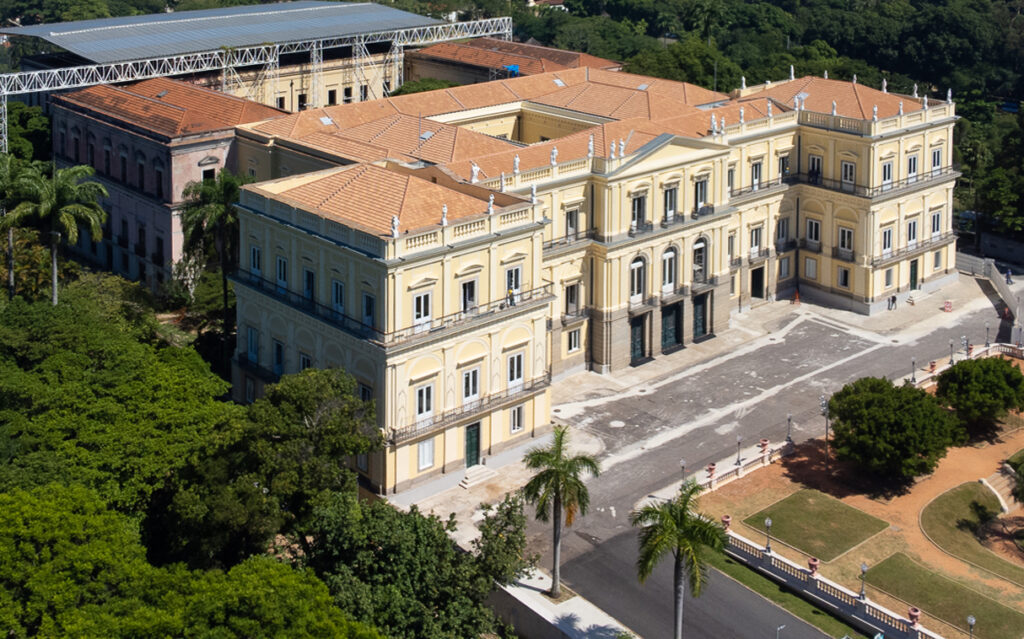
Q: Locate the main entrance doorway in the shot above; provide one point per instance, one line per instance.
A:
(700, 316)
(913, 275)
(637, 346)
(671, 326)
(757, 282)
(472, 445)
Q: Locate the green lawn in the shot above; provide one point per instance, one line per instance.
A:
(951, 519)
(817, 524)
(1017, 459)
(782, 597)
(902, 577)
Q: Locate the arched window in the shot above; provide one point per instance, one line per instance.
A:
(637, 279)
(669, 266)
(700, 261)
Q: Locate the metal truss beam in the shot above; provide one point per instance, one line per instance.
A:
(394, 68)
(316, 73)
(205, 61)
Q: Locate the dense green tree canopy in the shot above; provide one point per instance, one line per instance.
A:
(982, 390)
(892, 432)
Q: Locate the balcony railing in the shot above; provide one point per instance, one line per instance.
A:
(813, 246)
(571, 316)
(638, 302)
(781, 246)
(844, 254)
(701, 282)
(640, 229)
(568, 239)
(703, 211)
(759, 254)
(902, 185)
(917, 248)
(735, 262)
(815, 179)
(352, 326)
(442, 420)
(262, 372)
(762, 185)
(330, 315)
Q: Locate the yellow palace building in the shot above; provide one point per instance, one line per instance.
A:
(457, 250)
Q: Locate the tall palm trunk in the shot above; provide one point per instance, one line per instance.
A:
(10, 263)
(680, 585)
(53, 268)
(556, 570)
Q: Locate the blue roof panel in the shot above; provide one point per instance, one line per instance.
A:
(167, 34)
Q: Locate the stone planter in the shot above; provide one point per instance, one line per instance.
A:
(914, 614)
(931, 366)
(726, 521)
(813, 563)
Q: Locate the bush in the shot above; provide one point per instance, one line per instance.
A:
(982, 390)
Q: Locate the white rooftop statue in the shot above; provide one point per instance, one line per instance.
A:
(742, 118)
(915, 89)
(502, 183)
(826, 74)
(515, 164)
(474, 175)
(885, 85)
(834, 110)
(554, 155)
(714, 124)
(743, 82)
(769, 108)
(394, 226)
(792, 76)
(490, 204)
(444, 215)
(622, 148)
(590, 146)
(949, 96)
(901, 107)
(925, 102)
(533, 193)
(874, 112)
(611, 156)
(855, 78)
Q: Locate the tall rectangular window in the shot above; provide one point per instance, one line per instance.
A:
(731, 244)
(280, 102)
(811, 268)
(425, 402)
(911, 168)
(782, 230)
(783, 268)
(936, 160)
(282, 274)
(572, 299)
(158, 178)
(730, 179)
(106, 161)
(814, 163)
(369, 310)
(845, 238)
(755, 239)
(849, 175)
(888, 278)
(669, 267)
(937, 260)
(347, 95)
(639, 211)
(303, 102)
(305, 361)
(513, 284)
(886, 175)
(421, 311)
(124, 169)
(468, 300)
(843, 277)
(364, 93)
(755, 176)
(813, 230)
(515, 419)
(936, 223)
(573, 344)
(142, 176)
(886, 241)
(332, 97)
(471, 385)
(700, 193)
(671, 194)
(572, 223)
(338, 297)
(425, 454)
(278, 358)
(783, 166)
(308, 284)
(911, 232)
(253, 344)
(515, 371)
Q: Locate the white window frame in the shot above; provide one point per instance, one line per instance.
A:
(783, 267)
(572, 223)
(425, 454)
(305, 361)
(700, 193)
(936, 161)
(669, 266)
(671, 201)
(470, 385)
(573, 341)
(813, 230)
(255, 260)
(887, 242)
(782, 230)
(338, 297)
(514, 372)
(846, 238)
(887, 175)
(937, 261)
(424, 408)
(516, 419)
(730, 179)
(252, 350)
(936, 223)
(468, 304)
(369, 301)
(912, 168)
(422, 306)
(815, 162)
(514, 284)
(572, 299)
(912, 233)
(282, 273)
(889, 277)
(848, 175)
(638, 211)
(755, 175)
(755, 240)
(810, 268)
(843, 277)
(637, 280)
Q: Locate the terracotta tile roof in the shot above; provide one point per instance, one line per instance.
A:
(530, 59)
(425, 139)
(852, 100)
(169, 107)
(697, 123)
(366, 196)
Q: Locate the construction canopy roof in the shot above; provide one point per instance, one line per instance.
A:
(169, 34)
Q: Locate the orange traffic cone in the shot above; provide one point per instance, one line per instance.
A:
(796, 298)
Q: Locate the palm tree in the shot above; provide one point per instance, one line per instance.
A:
(675, 526)
(10, 168)
(558, 487)
(209, 213)
(59, 206)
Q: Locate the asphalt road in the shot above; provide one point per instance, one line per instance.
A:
(725, 608)
(697, 415)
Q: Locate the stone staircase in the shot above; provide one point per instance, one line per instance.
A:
(1002, 484)
(477, 474)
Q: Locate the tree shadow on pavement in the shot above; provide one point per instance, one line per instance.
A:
(806, 466)
(569, 624)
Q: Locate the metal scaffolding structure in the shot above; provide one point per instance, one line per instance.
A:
(227, 60)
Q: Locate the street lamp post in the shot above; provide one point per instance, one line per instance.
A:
(789, 427)
(970, 624)
(863, 572)
(824, 411)
(913, 370)
(964, 343)
(768, 534)
(739, 442)
(682, 469)
(950, 351)
(987, 343)
(778, 630)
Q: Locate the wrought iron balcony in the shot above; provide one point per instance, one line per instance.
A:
(781, 246)
(843, 254)
(758, 255)
(572, 316)
(478, 407)
(915, 249)
(735, 262)
(890, 188)
(569, 239)
(703, 211)
(262, 372)
(813, 246)
(640, 229)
